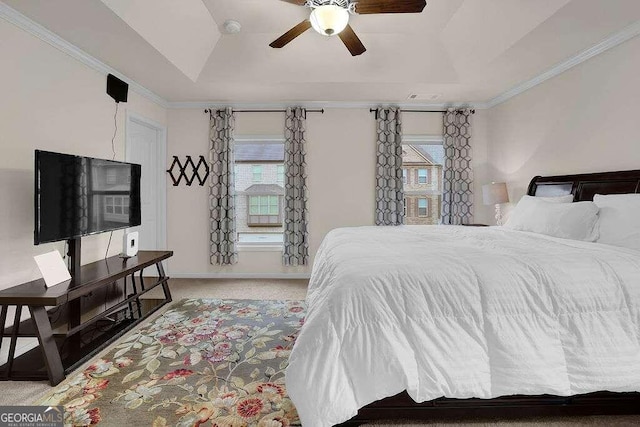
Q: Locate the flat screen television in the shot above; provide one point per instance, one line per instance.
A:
(77, 196)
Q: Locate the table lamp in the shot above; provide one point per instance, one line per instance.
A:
(495, 194)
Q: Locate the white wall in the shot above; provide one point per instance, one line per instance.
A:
(49, 101)
(584, 120)
(341, 169)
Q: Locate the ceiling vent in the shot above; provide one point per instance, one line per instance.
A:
(424, 97)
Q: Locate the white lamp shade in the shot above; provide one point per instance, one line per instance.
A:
(329, 19)
(495, 193)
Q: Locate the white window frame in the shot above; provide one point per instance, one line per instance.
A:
(426, 207)
(259, 139)
(426, 176)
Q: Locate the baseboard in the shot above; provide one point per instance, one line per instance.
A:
(279, 276)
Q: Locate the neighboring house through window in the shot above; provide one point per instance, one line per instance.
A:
(422, 160)
(259, 191)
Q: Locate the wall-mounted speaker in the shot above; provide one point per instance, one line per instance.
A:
(117, 89)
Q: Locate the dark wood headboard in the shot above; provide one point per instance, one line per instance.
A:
(585, 186)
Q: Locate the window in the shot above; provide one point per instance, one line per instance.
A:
(422, 159)
(256, 171)
(116, 208)
(423, 207)
(422, 176)
(264, 205)
(281, 174)
(404, 206)
(112, 176)
(259, 180)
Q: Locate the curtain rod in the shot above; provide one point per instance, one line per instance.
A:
(268, 111)
(373, 110)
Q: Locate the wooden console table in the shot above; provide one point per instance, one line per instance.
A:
(60, 353)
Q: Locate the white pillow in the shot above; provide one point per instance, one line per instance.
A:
(577, 221)
(557, 199)
(619, 219)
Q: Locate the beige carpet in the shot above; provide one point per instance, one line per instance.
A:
(25, 392)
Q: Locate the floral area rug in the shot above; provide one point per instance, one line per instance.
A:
(204, 362)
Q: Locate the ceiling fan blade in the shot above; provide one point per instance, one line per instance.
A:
(351, 41)
(298, 2)
(287, 37)
(365, 7)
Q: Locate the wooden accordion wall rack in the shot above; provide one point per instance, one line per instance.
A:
(189, 171)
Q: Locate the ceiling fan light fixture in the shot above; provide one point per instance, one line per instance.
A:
(329, 20)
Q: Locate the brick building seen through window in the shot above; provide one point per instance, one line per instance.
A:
(259, 183)
(422, 178)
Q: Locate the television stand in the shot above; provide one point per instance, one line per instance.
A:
(60, 353)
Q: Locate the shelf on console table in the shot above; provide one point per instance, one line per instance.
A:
(58, 354)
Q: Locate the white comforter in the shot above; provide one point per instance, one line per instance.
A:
(462, 312)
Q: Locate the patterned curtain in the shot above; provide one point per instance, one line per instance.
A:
(457, 198)
(221, 188)
(389, 185)
(296, 236)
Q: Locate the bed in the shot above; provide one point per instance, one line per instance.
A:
(470, 321)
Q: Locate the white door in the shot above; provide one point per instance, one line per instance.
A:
(143, 146)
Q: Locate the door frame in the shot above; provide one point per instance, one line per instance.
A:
(161, 156)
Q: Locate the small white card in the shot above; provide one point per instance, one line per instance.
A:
(53, 268)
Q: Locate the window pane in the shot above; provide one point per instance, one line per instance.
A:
(118, 209)
(280, 172)
(259, 185)
(422, 176)
(257, 173)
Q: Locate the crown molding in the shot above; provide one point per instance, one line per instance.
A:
(19, 20)
(610, 42)
(13, 16)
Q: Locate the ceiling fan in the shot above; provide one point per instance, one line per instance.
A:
(331, 18)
